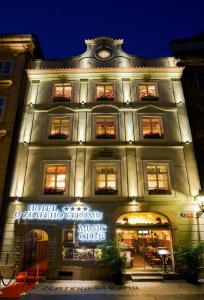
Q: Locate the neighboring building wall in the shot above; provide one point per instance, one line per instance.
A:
(15, 52)
(128, 151)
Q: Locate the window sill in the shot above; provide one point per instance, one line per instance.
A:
(106, 192)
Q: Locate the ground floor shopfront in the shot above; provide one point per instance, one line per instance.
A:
(64, 238)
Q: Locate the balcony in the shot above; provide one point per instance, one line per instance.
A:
(106, 191)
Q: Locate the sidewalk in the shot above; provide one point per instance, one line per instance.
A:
(98, 290)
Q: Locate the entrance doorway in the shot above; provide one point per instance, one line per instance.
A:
(35, 249)
(143, 238)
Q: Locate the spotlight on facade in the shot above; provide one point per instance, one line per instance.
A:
(82, 102)
(80, 142)
(78, 202)
(180, 103)
(24, 142)
(16, 200)
(127, 102)
(31, 104)
(130, 142)
(200, 201)
(133, 200)
(187, 142)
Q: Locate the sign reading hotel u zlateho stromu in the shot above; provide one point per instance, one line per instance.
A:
(58, 212)
(86, 232)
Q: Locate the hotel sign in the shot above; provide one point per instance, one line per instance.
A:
(58, 212)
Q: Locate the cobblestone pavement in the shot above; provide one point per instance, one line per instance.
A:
(98, 290)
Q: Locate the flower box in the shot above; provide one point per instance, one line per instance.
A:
(61, 99)
(106, 191)
(57, 136)
(153, 136)
(53, 191)
(105, 136)
(105, 98)
(149, 98)
(158, 192)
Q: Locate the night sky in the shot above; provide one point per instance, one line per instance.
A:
(62, 26)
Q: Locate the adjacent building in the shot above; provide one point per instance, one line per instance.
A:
(15, 52)
(189, 54)
(105, 150)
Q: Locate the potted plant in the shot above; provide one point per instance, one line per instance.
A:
(188, 261)
(111, 258)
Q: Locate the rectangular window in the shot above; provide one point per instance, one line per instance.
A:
(152, 127)
(1, 107)
(60, 128)
(147, 92)
(106, 180)
(158, 179)
(54, 182)
(105, 128)
(62, 92)
(104, 92)
(5, 67)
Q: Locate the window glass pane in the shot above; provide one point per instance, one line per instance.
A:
(151, 90)
(99, 90)
(51, 169)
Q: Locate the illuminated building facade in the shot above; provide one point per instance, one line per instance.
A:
(105, 150)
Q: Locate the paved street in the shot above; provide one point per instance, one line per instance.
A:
(96, 290)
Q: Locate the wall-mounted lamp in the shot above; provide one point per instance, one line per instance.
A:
(16, 200)
(130, 142)
(82, 102)
(127, 102)
(78, 201)
(80, 142)
(31, 104)
(24, 142)
(179, 103)
(133, 201)
(187, 142)
(199, 199)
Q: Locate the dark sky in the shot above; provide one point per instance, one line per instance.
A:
(61, 26)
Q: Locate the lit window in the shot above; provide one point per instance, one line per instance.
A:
(106, 180)
(55, 176)
(5, 67)
(1, 106)
(62, 92)
(105, 128)
(59, 128)
(152, 127)
(104, 92)
(158, 179)
(148, 92)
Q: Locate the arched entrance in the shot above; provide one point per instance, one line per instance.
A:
(143, 237)
(35, 249)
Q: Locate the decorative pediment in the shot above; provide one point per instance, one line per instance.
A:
(105, 109)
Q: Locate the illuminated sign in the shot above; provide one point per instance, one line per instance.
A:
(92, 232)
(143, 231)
(58, 212)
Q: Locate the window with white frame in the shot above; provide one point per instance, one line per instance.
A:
(152, 127)
(2, 104)
(5, 66)
(60, 128)
(105, 127)
(147, 91)
(104, 92)
(55, 179)
(158, 181)
(106, 179)
(62, 92)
